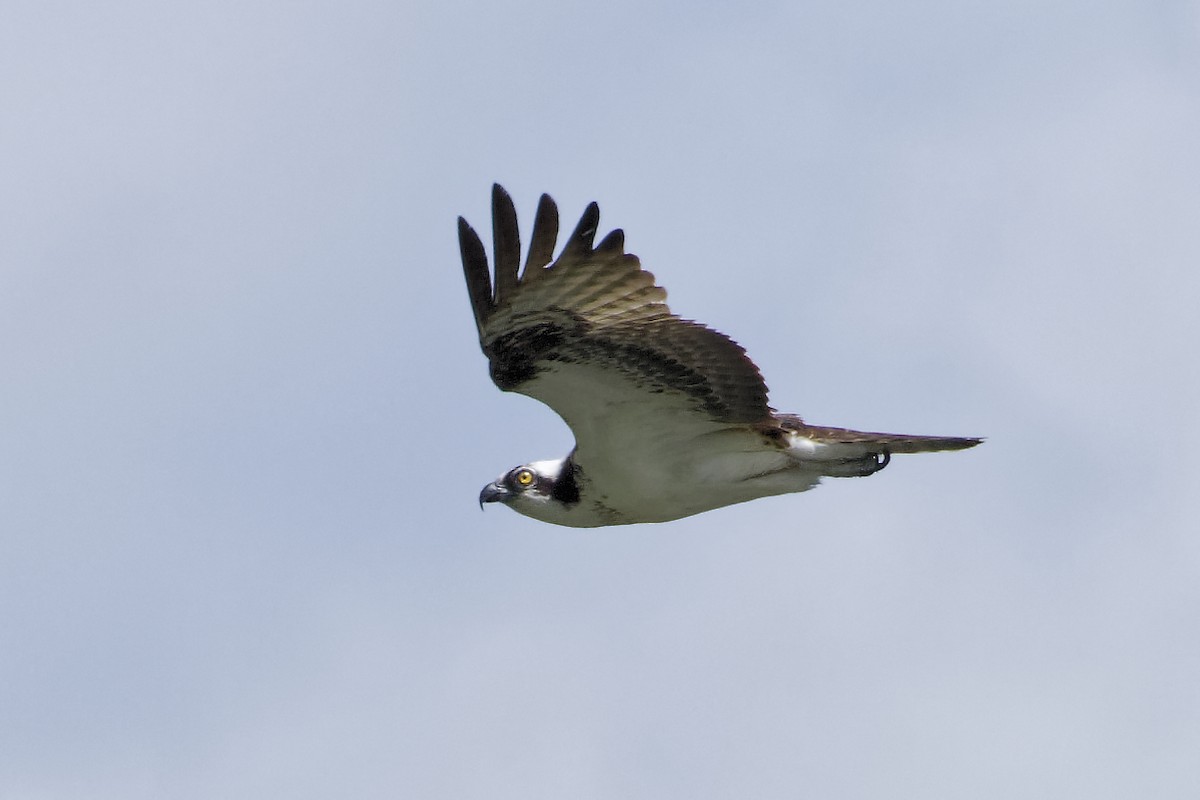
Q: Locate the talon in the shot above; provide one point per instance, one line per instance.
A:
(874, 462)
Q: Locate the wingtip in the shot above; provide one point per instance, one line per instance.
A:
(614, 242)
(580, 241)
(544, 236)
(467, 237)
(475, 269)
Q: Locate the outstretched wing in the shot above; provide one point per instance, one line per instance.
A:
(591, 336)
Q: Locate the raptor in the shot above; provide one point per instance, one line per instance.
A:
(670, 417)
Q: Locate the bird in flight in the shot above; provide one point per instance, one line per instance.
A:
(670, 417)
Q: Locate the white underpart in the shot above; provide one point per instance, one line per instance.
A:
(652, 458)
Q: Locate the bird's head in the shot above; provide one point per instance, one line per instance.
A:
(545, 490)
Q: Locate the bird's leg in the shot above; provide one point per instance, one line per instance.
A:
(858, 467)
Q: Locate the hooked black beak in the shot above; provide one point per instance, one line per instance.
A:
(493, 493)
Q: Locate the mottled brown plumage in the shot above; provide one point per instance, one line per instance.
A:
(596, 303)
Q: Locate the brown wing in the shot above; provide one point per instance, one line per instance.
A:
(593, 328)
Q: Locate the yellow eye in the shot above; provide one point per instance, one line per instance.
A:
(524, 478)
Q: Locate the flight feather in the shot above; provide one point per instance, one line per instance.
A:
(595, 307)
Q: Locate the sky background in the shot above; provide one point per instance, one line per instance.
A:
(244, 418)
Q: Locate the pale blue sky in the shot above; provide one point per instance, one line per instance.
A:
(244, 419)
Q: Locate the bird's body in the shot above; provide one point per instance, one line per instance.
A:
(670, 418)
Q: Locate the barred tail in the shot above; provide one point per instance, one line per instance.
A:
(892, 442)
(843, 453)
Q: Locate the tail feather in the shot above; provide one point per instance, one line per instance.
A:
(864, 441)
(845, 453)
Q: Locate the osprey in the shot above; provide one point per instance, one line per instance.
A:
(670, 417)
